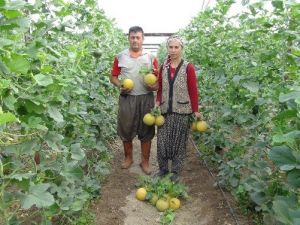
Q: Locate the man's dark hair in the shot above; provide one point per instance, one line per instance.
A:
(135, 29)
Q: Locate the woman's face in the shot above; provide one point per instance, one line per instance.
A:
(174, 49)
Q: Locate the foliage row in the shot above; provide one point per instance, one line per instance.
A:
(250, 92)
(56, 113)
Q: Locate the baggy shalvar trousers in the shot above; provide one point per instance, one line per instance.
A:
(172, 139)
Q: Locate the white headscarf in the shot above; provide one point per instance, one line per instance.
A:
(175, 37)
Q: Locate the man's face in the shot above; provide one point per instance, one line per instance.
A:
(136, 40)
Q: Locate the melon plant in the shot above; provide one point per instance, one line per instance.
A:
(57, 110)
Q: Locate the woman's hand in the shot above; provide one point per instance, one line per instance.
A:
(198, 115)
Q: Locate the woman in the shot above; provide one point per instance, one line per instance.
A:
(177, 97)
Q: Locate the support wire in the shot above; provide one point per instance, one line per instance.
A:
(228, 204)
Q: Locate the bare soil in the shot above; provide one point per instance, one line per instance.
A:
(205, 206)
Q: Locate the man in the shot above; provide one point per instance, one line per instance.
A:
(134, 103)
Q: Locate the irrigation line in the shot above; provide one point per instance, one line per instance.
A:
(228, 204)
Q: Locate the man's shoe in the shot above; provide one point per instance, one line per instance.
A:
(126, 164)
(145, 169)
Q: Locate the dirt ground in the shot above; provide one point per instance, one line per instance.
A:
(205, 205)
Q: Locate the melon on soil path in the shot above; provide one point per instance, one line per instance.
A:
(119, 206)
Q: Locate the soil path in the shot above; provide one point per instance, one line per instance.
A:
(205, 205)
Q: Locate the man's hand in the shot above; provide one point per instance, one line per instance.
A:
(153, 87)
(124, 90)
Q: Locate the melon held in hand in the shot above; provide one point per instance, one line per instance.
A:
(127, 84)
(150, 79)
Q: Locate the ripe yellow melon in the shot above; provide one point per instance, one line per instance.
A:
(150, 79)
(127, 84)
(141, 194)
(154, 199)
(174, 203)
(194, 126)
(162, 204)
(149, 119)
(159, 120)
(201, 126)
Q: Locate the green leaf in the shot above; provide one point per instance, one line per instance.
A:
(54, 140)
(295, 214)
(260, 101)
(9, 102)
(34, 107)
(7, 118)
(281, 210)
(295, 87)
(3, 68)
(16, 4)
(24, 184)
(72, 172)
(284, 115)
(76, 152)
(251, 86)
(296, 51)
(285, 138)
(36, 123)
(289, 96)
(295, 134)
(55, 114)
(18, 64)
(8, 26)
(26, 147)
(296, 154)
(11, 13)
(293, 178)
(234, 181)
(283, 156)
(20, 177)
(2, 3)
(288, 167)
(46, 69)
(43, 80)
(258, 197)
(38, 196)
(5, 42)
(278, 4)
(13, 221)
(236, 79)
(4, 84)
(76, 205)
